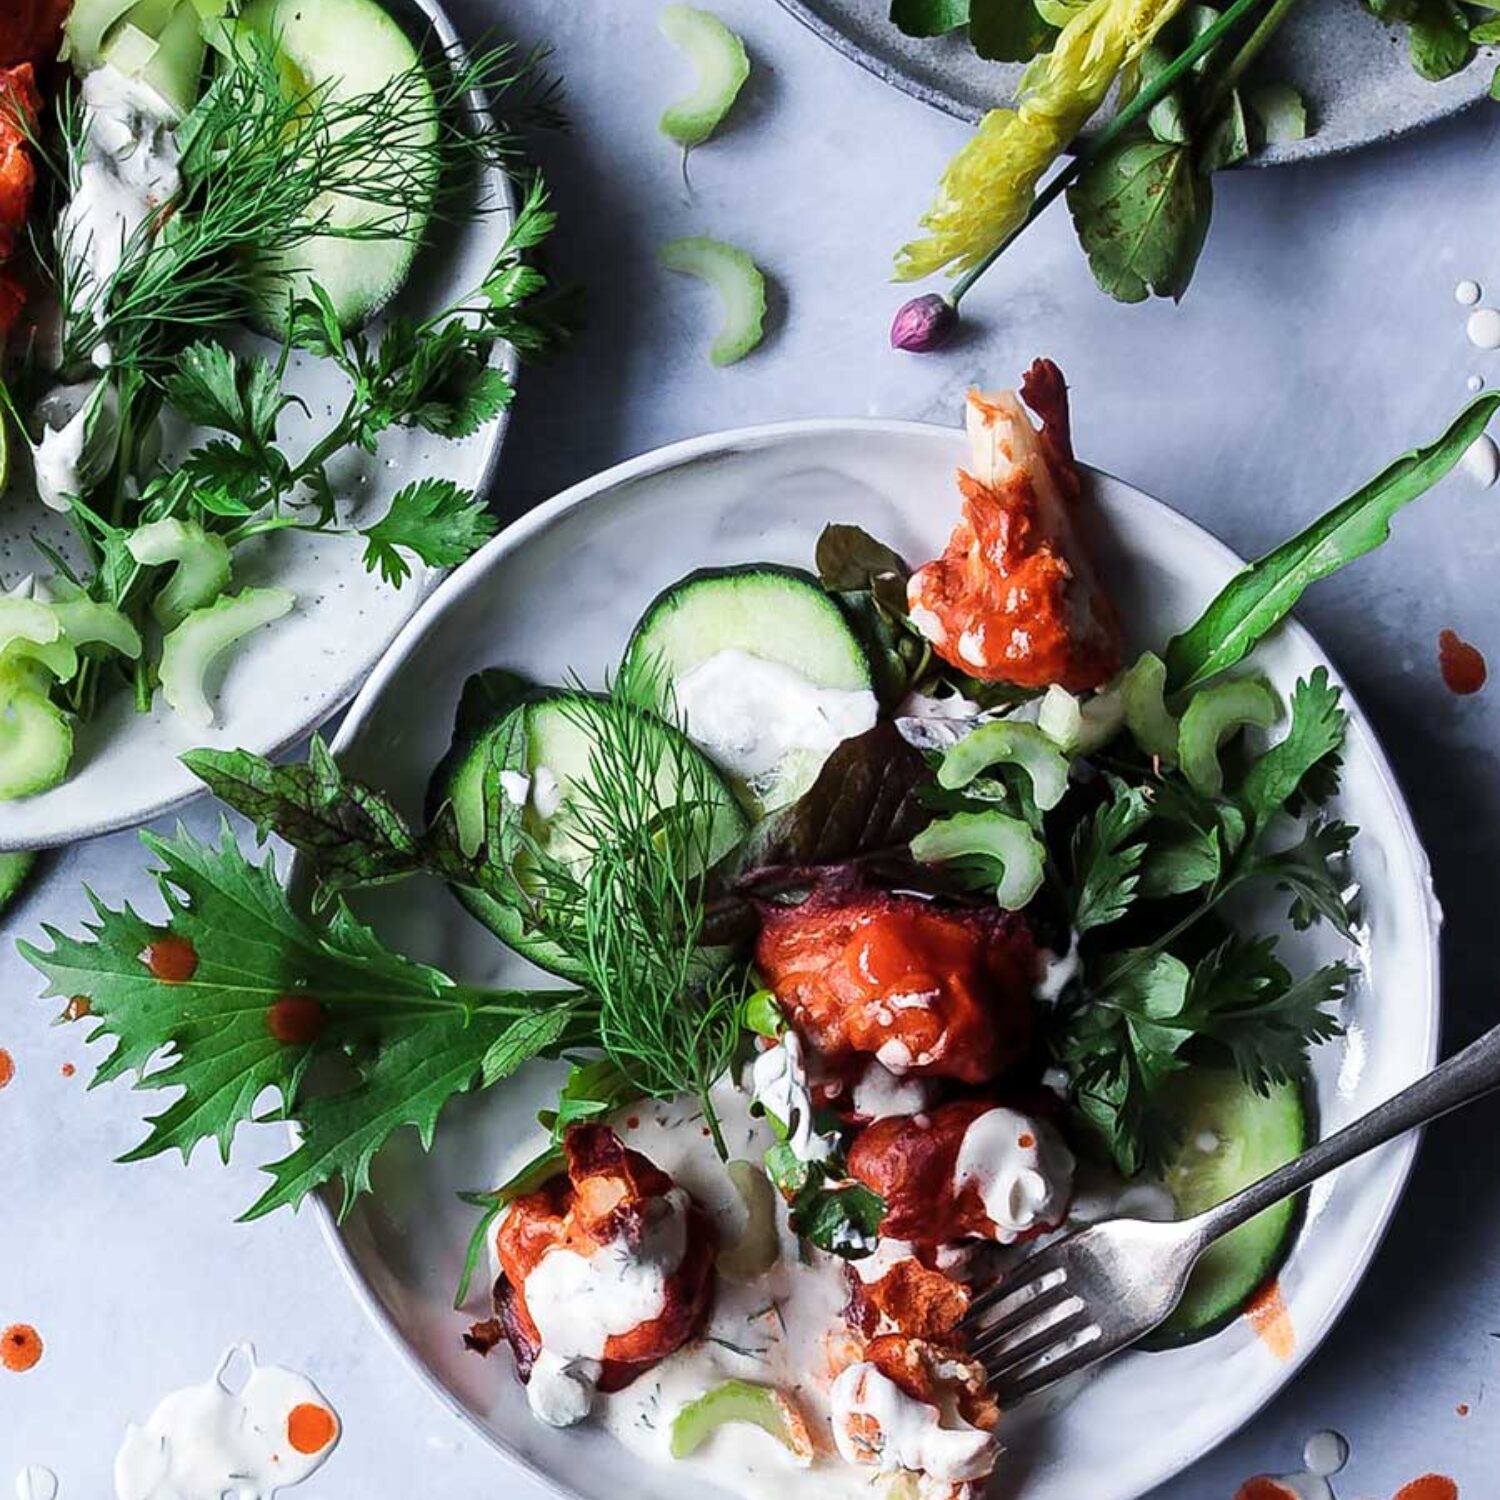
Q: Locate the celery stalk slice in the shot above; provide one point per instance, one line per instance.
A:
(1210, 718)
(1003, 742)
(719, 58)
(190, 650)
(738, 281)
(741, 1401)
(202, 571)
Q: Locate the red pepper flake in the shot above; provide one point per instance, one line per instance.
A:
(311, 1428)
(1461, 664)
(7, 1067)
(20, 1347)
(68, 1070)
(77, 1008)
(296, 1020)
(1429, 1487)
(171, 958)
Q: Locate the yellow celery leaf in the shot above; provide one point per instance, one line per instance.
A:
(988, 187)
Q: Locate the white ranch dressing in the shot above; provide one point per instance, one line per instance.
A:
(128, 174)
(78, 443)
(749, 714)
(1021, 1169)
(779, 1084)
(888, 1255)
(36, 1482)
(1466, 293)
(881, 1094)
(877, 1425)
(1481, 461)
(212, 1440)
(1483, 328)
(1059, 970)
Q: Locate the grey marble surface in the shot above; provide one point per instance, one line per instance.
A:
(1320, 338)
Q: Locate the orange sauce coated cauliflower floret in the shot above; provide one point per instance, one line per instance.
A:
(1015, 597)
(927, 990)
(603, 1203)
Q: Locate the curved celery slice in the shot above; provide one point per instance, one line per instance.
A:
(86, 622)
(722, 65)
(756, 1249)
(202, 571)
(27, 620)
(15, 866)
(190, 651)
(741, 1401)
(88, 23)
(1146, 714)
(1210, 718)
(737, 279)
(1010, 743)
(36, 740)
(987, 849)
(1080, 726)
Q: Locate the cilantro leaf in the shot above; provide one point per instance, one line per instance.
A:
(1312, 871)
(415, 1036)
(237, 393)
(435, 519)
(1307, 754)
(1107, 857)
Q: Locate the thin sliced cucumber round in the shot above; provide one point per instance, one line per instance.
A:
(780, 616)
(1231, 1136)
(351, 48)
(546, 739)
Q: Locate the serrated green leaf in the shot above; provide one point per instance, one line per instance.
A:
(1315, 735)
(437, 520)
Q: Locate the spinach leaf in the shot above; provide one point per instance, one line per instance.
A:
(930, 17)
(1260, 596)
(1141, 211)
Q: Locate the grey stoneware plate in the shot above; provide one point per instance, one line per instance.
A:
(1352, 71)
(291, 676)
(559, 591)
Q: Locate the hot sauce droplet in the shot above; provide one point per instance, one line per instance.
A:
(171, 958)
(1461, 664)
(7, 1067)
(1026, 1140)
(68, 1070)
(1429, 1487)
(1268, 1315)
(77, 1008)
(296, 1020)
(1263, 1487)
(20, 1347)
(310, 1428)
(1462, 1408)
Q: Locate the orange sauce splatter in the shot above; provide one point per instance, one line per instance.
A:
(311, 1428)
(20, 1347)
(68, 1070)
(1026, 1141)
(1429, 1487)
(171, 958)
(7, 1067)
(1268, 1315)
(1461, 664)
(296, 1020)
(77, 1008)
(633, 1123)
(1263, 1487)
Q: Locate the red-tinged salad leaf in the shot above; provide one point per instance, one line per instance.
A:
(1259, 597)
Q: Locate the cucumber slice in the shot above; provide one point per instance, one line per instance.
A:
(1230, 1137)
(201, 574)
(14, 869)
(350, 48)
(738, 281)
(993, 847)
(189, 652)
(545, 740)
(1002, 741)
(1210, 718)
(777, 619)
(719, 58)
(1146, 714)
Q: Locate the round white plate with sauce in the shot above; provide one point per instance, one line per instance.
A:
(286, 679)
(559, 592)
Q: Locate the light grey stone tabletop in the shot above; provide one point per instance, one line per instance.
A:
(1320, 338)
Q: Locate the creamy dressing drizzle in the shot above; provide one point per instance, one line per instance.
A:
(36, 1482)
(877, 1425)
(779, 1084)
(1021, 1169)
(880, 1094)
(224, 1440)
(749, 714)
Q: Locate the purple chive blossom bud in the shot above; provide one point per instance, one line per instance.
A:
(924, 324)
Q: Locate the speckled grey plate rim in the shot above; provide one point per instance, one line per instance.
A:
(1311, 148)
(473, 575)
(420, 588)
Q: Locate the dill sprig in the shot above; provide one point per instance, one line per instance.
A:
(629, 905)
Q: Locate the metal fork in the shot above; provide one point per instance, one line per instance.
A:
(1090, 1294)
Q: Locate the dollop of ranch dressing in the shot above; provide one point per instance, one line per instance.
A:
(880, 1094)
(779, 1084)
(876, 1424)
(79, 440)
(128, 175)
(749, 714)
(217, 1439)
(1021, 1168)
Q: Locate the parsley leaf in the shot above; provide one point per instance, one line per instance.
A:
(236, 393)
(1107, 855)
(1307, 758)
(433, 518)
(1312, 871)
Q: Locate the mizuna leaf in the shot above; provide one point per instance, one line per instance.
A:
(1260, 596)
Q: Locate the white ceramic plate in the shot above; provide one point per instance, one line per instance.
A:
(291, 676)
(560, 590)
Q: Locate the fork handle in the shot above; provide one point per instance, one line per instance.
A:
(1464, 1077)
